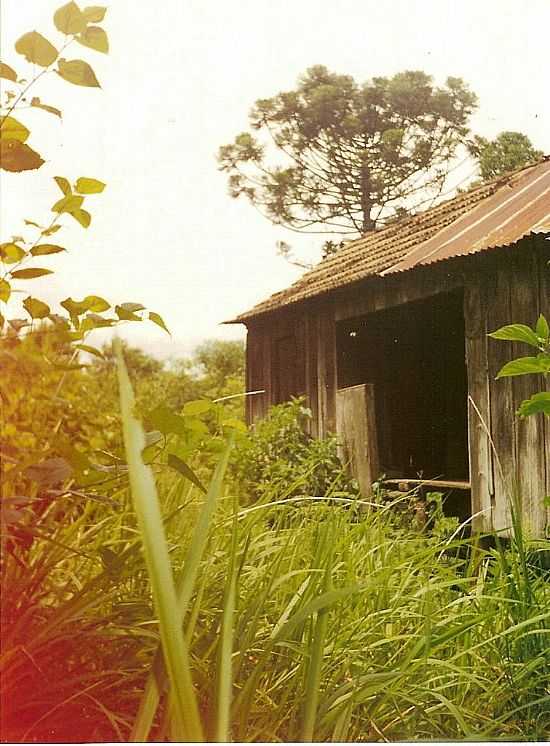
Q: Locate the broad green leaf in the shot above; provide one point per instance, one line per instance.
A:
(13, 130)
(537, 403)
(93, 303)
(158, 320)
(125, 315)
(5, 290)
(7, 72)
(176, 463)
(36, 49)
(90, 350)
(94, 13)
(77, 72)
(64, 185)
(16, 156)
(94, 37)
(164, 420)
(93, 321)
(36, 308)
(85, 185)
(524, 365)
(69, 19)
(234, 424)
(516, 333)
(70, 203)
(46, 248)
(30, 273)
(37, 104)
(186, 717)
(49, 472)
(10, 253)
(82, 216)
(542, 329)
(200, 406)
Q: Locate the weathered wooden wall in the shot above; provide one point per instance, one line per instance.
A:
(509, 457)
(500, 287)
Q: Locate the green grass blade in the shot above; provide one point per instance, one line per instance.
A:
(185, 585)
(155, 548)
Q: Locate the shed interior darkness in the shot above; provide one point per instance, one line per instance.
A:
(414, 354)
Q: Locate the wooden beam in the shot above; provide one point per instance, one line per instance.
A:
(356, 429)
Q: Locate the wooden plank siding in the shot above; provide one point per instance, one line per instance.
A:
(501, 286)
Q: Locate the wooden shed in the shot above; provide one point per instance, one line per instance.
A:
(387, 341)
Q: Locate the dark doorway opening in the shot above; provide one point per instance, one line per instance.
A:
(414, 355)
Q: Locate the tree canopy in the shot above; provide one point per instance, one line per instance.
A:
(336, 156)
(507, 152)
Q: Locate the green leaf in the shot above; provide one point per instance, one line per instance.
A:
(176, 463)
(158, 320)
(18, 324)
(94, 37)
(16, 156)
(94, 13)
(93, 321)
(164, 420)
(199, 406)
(77, 72)
(516, 333)
(49, 472)
(30, 273)
(5, 290)
(2, 321)
(85, 185)
(64, 185)
(69, 19)
(36, 49)
(13, 130)
(125, 315)
(70, 203)
(46, 248)
(93, 303)
(7, 72)
(542, 329)
(524, 365)
(132, 307)
(51, 231)
(10, 253)
(537, 403)
(36, 308)
(90, 350)
(82, 216)
(31, 222)
(37, 104)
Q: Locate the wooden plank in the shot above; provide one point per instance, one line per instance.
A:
(404, 485)
(312, 383)
(479, 415)
(255, 405)
(356, 429)
(326, 371)
(376, 294)
(501, 392)
(529, 431)
(542, 247)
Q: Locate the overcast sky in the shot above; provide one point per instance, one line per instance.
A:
(179, 82)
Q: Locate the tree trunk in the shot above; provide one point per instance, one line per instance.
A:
(366, 200)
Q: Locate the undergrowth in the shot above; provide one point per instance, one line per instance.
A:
(307, 613)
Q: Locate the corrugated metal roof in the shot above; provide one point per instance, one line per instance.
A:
(497, 213)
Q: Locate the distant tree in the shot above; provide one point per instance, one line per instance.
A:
(219, 361)
(507, 152)
(339, 157)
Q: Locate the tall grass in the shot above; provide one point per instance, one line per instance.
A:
(299, 619)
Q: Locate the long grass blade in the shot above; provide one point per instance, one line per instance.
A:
(155, 548)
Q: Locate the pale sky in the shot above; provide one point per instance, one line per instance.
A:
(179, 82)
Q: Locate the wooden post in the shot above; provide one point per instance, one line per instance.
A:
(356, 429)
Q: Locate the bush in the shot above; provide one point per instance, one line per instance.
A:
(278, 459)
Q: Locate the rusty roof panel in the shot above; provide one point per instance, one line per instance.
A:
(497, 213)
